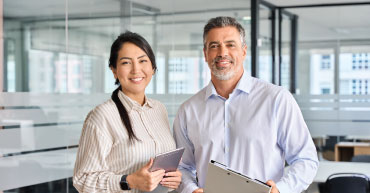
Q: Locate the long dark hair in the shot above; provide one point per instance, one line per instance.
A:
(140, 42)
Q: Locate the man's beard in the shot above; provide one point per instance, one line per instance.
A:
(223, 73)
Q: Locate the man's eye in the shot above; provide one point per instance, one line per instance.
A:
(213, 46)
(230, 45)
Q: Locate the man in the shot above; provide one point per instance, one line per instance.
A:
(245, 123)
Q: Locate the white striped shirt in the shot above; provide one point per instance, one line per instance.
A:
(105, 152)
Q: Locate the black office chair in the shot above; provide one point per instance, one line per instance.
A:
(346, 183)
(361, 158)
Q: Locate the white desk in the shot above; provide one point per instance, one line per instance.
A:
(359, 137)
(326, 168)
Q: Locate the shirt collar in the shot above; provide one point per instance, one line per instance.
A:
(131, 104)
(244, 85)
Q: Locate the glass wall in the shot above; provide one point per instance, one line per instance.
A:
(67, 48)
(265, 44)
(56, 57)
(333, 47)
(354, 72)
(333, 74)
(285, 76)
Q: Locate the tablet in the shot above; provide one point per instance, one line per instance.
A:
(168, 161)
(220, 179)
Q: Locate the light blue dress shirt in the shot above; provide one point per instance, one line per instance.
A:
(254, 131)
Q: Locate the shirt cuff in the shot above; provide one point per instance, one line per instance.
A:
(114, 183)
(283, 187)
(189, 188)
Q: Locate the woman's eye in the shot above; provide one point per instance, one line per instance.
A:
(142, 61)
(124, 62)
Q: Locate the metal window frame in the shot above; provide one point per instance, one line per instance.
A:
(255, 5)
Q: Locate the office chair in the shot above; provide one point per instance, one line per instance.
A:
(361, 158)
(347, 183)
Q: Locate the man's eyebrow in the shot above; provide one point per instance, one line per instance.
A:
(214, 42)
(230, 41)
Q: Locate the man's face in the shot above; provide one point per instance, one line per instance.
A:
(224, 53)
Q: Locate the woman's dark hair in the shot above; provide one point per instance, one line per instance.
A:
(140, 42)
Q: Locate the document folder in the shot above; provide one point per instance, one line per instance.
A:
(220, 179)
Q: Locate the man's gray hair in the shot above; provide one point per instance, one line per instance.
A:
(223, 21)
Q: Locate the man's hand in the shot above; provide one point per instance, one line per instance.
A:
(273, 186)
(199, 190)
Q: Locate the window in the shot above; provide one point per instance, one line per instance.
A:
(354, 66)
(320, 62)
(366, 86)
(325, 62)
(354, 87)
(325, 91)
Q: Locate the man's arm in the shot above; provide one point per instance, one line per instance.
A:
(295, 140)
(187, 164)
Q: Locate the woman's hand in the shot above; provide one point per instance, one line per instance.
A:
(145, 180)
(172, 179)
(199, 190)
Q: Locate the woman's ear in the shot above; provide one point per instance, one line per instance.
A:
(114, 72)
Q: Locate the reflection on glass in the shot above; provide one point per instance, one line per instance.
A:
(265, 45)
(285, 55)
(45, 53)
(322, 71)
(354, 74)
(184, 72)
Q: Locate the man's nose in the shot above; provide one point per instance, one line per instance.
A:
(222, 51)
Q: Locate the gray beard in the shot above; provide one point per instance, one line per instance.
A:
(222, 75)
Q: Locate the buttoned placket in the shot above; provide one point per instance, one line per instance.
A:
(141, 111)
(227, 131)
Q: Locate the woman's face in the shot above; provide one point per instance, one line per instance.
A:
(133, 69)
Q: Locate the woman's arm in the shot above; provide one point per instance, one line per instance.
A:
(91, 172)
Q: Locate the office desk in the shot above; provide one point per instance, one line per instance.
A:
(326, 168)
(344, 151)
(358, 137)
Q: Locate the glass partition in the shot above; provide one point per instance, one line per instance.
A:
(56, 70)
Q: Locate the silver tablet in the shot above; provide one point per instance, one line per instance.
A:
(220, 180)
(168, 161)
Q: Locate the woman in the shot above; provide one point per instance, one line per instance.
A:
(120, 137)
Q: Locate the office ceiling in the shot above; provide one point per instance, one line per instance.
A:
(315, 24)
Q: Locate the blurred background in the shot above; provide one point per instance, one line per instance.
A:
(54, 70)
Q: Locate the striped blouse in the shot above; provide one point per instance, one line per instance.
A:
(105, 152)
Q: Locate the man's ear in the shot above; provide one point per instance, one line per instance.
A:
(205, 53)
(245, 50)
